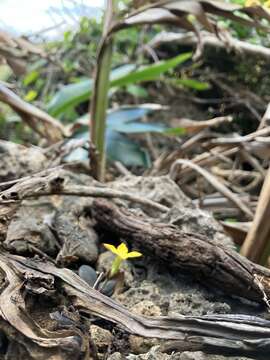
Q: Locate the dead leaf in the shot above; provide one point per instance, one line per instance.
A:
(196, 126)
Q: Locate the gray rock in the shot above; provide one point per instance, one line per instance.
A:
(88, 274)
(29, 229)
(102, 338)
(140, 345)
(116, 356)
(108, 288)
(153, 354)
(18, 160)
(146, 308)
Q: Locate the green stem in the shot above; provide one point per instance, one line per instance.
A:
(100, 97)
(116, 266)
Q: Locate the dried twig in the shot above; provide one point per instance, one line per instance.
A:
(238, 46)
(195, 126)
(215, 183)
(256, 244)
(54, 184)
(37, 119)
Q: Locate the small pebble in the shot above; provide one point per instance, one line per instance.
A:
(102, 338)
(62, 319)
(108, 287)
(88, 274)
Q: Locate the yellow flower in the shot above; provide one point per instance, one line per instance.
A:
(121, 253)
(252, 3)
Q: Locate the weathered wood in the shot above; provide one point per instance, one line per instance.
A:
(209, 262)
(220, 334)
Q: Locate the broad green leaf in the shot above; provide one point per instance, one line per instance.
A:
(126, 114)
(151, 72)
(123, 114)
(120, 148)
(72, 95)
(137, 91)
(121, 71)
(124, 120)
(139, 127)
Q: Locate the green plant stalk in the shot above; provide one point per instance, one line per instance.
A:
(98, 115)
(116, 266)
(100, 98)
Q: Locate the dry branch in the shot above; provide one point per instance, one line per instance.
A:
(238, 46)
(208, 261)
(192, 126)
(256, 243)
(54, 184)
(215, 183)
(241, 139)
(38, 120)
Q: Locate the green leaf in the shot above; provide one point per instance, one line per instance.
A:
(126, 114)
(137, 91)
(139, 128)
(191, 83)
(151, 72)
(31, 95)
(175, 131)
(72, 95)
(123, 114)
(120, 148)
(30, 77)
(124, 120)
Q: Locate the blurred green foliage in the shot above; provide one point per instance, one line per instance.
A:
(70, 65)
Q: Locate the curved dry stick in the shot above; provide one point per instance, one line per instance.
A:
(54, 184)
(208, 39)
(105, 192)
(51, 128)
(215, 183)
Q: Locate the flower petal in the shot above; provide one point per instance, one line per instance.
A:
(122, 251)
(134, 254)
(111, 248)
